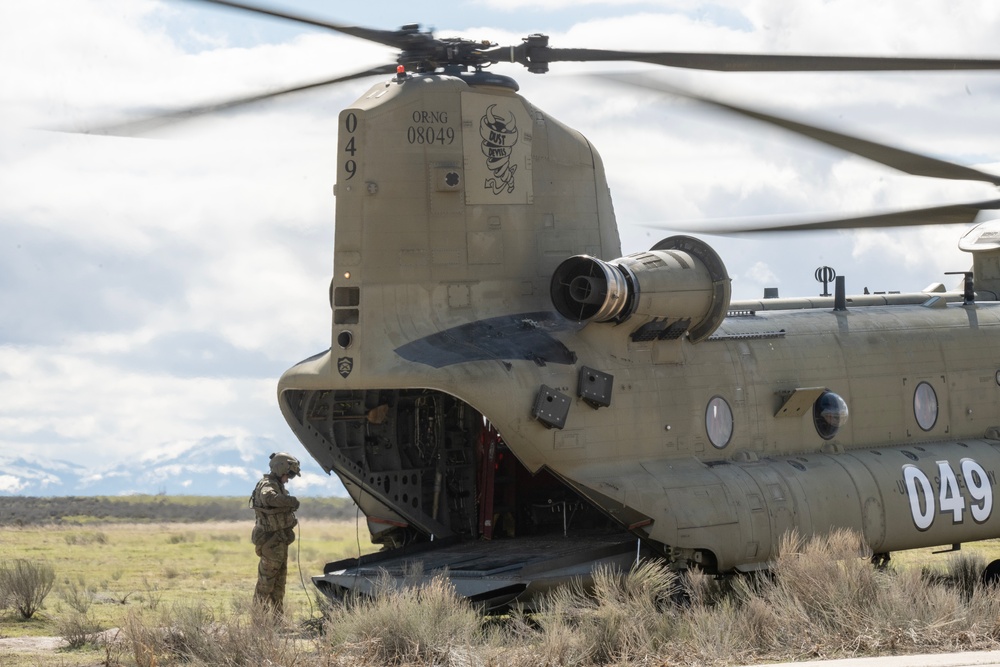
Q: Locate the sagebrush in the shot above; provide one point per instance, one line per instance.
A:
(821, 599)
(24, 584)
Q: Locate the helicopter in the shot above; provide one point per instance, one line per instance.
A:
(511, 400)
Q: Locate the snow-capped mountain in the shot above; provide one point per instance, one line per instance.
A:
(211, 467)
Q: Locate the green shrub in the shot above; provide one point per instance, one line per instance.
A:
(98, 537)
(153, 595)
(78, 629)
(77, 595)
(25, 584)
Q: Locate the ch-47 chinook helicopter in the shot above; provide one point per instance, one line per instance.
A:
(509, 399)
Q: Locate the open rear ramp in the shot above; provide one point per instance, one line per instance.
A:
(493, 573)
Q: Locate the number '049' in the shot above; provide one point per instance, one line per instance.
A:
(949, 500)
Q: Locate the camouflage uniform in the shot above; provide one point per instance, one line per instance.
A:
(272, 533)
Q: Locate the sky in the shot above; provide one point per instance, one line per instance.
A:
(153, 289)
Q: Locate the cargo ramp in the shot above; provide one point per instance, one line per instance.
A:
(492, 573)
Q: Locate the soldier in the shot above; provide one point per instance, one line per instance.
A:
(273, 532)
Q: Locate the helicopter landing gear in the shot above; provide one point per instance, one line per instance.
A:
(991, 575)
(881, 561)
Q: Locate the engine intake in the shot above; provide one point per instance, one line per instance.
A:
(680, 278)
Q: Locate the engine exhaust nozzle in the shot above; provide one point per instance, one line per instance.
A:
(586, 288)
(679, 280)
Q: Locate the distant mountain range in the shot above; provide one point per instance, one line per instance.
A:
(213, 467)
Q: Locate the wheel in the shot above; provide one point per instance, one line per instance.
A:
(881, 561)
(991, 575)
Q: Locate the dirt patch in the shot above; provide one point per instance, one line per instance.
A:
(50, 644)
(32, 644)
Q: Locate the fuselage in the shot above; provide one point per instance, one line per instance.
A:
(921, 389)
(457, 202)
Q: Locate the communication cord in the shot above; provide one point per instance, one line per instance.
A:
(357, 535)
(357, 516)
(298, 563)
(357, 529)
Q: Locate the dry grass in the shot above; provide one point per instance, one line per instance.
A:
(106, 573)
(623, 616)
(150, 565)
(823, 599)
(407, 625)
(194, 634)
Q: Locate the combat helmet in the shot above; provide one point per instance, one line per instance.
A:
(284, 464)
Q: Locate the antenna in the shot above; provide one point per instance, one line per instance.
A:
(969, 293)
(825, 275)
(840, 295)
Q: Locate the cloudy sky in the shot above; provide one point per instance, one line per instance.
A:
(153, 289)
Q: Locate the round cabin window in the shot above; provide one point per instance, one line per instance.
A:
(925, 406)
(719, 422)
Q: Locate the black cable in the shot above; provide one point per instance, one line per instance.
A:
(298, 562)
(357, 528)
(357, 536)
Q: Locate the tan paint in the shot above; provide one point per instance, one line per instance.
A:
(430, 238)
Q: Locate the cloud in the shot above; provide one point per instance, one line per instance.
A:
(18, 476)
(236, 471)
(155, 288)
(11, 484)
(761, 273)
(314, 484)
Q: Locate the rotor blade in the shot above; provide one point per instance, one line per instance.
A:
(897, 158)
(387, 37)
(952, 214)
(750, 62)
(166, 118)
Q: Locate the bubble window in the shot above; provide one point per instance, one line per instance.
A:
(829, 414)
(925, 406)
(719, 422)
